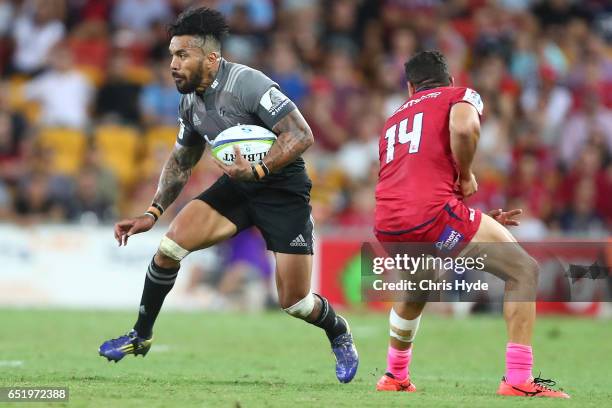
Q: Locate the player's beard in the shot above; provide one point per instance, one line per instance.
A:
(189, 86)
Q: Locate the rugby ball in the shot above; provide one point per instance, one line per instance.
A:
(253, 142)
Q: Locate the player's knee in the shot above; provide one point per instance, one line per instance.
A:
(169, 252)
(529, 272)
(533, 270)
(300, 307)
(404, 330)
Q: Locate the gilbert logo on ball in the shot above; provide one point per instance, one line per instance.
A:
(253, 142)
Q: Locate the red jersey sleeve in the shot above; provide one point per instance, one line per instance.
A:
(461, 94)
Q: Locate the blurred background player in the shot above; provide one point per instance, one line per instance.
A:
(427, 149)
(272, 195)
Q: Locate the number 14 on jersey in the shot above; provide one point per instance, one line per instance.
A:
(400, 133)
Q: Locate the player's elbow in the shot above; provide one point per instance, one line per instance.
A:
(465, 132)
(307, 137)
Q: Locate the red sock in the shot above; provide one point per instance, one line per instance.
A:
(519, 361)
(398, 362)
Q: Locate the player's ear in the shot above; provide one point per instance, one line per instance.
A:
(452, 80)
(213, 57)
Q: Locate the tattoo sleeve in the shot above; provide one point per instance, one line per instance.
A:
(176, 172)
(294, 137)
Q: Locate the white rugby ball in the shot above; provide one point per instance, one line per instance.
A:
(253, 141)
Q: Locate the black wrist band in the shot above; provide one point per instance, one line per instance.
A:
(264, 167)
(152, 214)
(159, 207)
(255, 174)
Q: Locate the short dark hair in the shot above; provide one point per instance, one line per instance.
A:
(427, 68)
(202, 22)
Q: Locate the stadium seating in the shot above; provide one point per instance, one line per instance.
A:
(67, 147)
(118, 147)
(158, 144)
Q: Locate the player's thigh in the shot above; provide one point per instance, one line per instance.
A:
(199, 226)
(492, 231)
(502, 255)
(293, 273)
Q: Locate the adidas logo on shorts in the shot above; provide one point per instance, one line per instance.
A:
(299, 241)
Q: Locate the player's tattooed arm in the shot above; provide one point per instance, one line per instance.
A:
(294, 137)
(176, 172)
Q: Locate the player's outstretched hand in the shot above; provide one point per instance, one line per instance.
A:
(468, 186)
(240, 170)
(126, 228)
(506, 217)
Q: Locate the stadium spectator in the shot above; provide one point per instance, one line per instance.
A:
(89, 203)
(284, 68)
(35, 202)
(139, 15)
(357, 156)
(248, 16)
(159, 99)
(591, 121)
(118, 98)
(38, 28)
(582, 219)
(547, 104)
(6, 210)
(63, 92)
(7, 12)
(342, 27)
(360, 207)
(13, 138)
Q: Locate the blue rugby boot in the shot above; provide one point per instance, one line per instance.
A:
(347, 359)
(116, 349)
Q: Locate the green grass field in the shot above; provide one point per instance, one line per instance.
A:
(271, 360)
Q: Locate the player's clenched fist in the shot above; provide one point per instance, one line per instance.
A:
(126, 228)
(468, 186)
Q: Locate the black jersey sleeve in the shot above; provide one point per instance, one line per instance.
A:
(261, 96)
(187, 136)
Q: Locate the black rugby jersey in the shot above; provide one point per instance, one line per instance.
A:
(239, 95)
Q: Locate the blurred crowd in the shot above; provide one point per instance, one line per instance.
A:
(88, 107)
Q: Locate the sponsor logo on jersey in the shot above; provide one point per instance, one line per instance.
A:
(196, 120)
(181, 129)
(472, 214)
(214, 84)
(298, 241)
(273, 101)
(415, 101)
(448, 239)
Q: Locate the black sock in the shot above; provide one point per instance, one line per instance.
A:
(328, 321)
(158, 283)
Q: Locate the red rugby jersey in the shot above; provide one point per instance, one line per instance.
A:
(417, 170)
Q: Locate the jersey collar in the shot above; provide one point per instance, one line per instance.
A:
(216, 84)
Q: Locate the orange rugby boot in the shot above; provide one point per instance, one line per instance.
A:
(533, 387)
(389, 383)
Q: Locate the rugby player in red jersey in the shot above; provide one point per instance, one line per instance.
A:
(426, 152)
